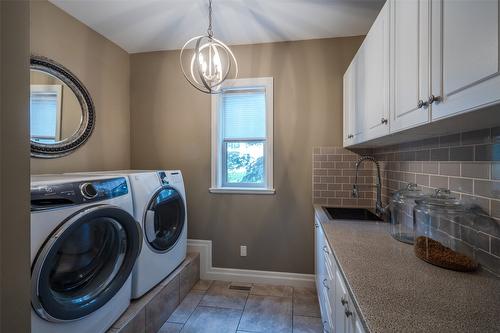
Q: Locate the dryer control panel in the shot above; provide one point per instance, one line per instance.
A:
(170, 177)
(56, 195)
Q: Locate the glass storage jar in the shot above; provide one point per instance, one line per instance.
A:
(401, 218)
(446, 232)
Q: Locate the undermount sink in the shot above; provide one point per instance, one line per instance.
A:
(360, 214)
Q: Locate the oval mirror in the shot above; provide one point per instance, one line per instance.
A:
(62, 115)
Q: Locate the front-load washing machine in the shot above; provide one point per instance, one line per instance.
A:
(160, 208)
(84, 245)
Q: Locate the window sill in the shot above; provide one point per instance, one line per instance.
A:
(239, 190)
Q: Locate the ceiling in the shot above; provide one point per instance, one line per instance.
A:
(153, 25)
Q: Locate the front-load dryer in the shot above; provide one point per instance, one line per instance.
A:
(160, 208)
(84, 245)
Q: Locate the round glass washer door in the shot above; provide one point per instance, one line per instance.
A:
(84, 263)
(164, 219)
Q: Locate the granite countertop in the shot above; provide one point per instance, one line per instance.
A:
(395, 291)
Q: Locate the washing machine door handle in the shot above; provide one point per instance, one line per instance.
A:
(149, 225)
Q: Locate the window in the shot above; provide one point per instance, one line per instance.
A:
(45, 113)
(242, 137)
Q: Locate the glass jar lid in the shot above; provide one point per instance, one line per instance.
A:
(442, 199)
(411, 191)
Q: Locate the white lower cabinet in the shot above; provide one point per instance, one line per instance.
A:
(337, 308)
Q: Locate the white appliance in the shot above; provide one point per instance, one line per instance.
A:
(84, 244)
(160, 208)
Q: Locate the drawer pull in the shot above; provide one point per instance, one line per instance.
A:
(325, 249)
(325, 285)
(343, 300)
(348, 313)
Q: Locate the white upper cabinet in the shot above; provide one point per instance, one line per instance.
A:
(424, 61)
(366, 86)
(465, 55)
(409, 63)
(349, 105)
(374, 78)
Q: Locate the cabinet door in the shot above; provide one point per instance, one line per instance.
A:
(465, 55)
(358, 327)
(349, 104)
(409, 63)
(340, 319)
(320, 270)
(319, 263)
(374, 103)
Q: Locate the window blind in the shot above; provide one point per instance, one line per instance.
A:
(43, 115)
(244, 114)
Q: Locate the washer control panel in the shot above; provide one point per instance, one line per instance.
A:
(64, 194)
(89, 191)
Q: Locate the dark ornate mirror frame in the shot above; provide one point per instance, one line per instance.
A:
(68, 145)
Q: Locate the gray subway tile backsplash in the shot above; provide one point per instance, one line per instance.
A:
(495, 134)
(467, 163)
(439, 182)
(462, 185)
(427, 143)
(495, 171)
(487, 188)
(450, 169)
(495, 246)
(440, 154)
(489, 152)
(475, 170)
(449, 140)
(495, 209)
(422, 155)
(430, 167)
(476, 137)
(462, 153)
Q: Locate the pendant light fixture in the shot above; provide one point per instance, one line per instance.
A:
(209, 60)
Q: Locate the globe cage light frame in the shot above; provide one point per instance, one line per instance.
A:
(197, 76)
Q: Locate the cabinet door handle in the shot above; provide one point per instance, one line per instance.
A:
(348, 313)
(325, 325)
(325, 249)
(343, 300)
(421, 104)
(325, 285)
(383, 121)
(350, 136)
(316, 225)
(433, 99)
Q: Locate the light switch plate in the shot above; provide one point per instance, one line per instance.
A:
(243, 250)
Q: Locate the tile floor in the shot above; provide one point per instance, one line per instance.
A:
(212, 307)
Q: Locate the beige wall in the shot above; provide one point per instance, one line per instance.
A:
(171, 129)
(14, 168)
(103, 68)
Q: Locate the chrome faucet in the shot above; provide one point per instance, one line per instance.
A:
(379, 209)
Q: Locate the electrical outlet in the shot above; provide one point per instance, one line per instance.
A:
(243, 251)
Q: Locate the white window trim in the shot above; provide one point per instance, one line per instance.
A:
(216, 184)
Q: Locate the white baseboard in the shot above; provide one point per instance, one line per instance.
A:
(208, 272)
